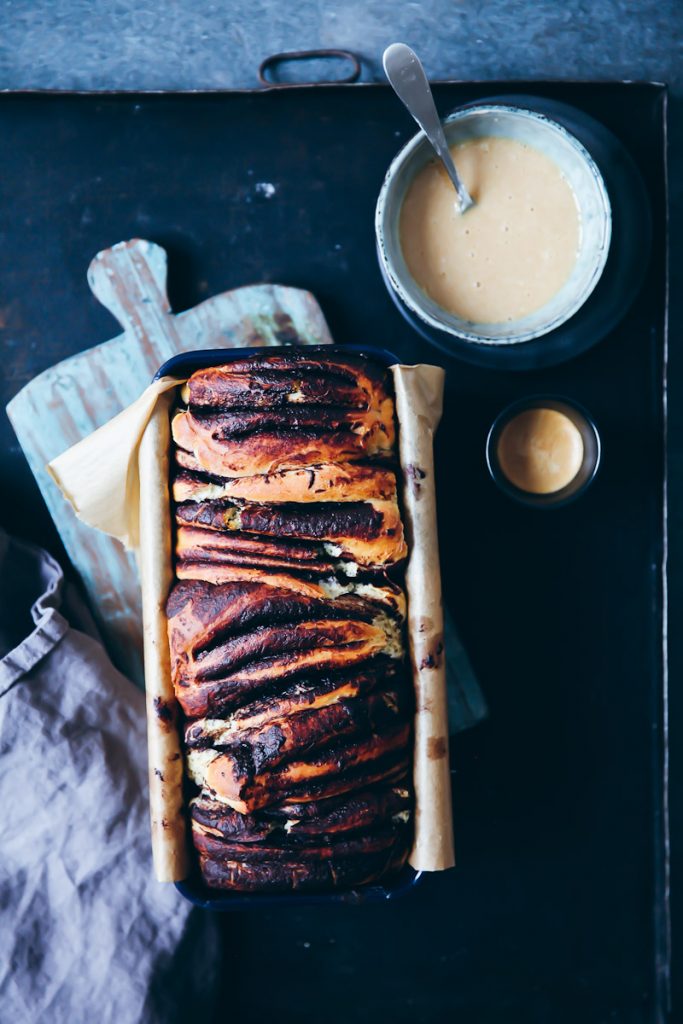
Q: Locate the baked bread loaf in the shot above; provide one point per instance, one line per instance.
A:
(286, 622)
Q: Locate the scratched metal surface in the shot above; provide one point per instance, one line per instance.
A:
(555, 911)
(68, 401)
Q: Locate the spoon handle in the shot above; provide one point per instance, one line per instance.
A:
(407, 77)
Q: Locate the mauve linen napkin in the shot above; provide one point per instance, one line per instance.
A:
(85, 930)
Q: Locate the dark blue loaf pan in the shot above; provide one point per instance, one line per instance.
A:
(192, 888)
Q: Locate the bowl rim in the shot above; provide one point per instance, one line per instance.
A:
(418, 140)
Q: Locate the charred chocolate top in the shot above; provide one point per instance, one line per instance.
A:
(292, 377)
(235, 608)
(285, 411)
(320, 521)
(286, 632)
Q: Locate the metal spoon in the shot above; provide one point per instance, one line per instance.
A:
(407, 77)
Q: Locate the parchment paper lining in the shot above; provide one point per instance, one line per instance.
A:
(419, 404)
(155, 560)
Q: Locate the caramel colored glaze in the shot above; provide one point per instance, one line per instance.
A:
(540, 451)
(512, 251)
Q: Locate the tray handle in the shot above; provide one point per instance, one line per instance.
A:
(268, 65)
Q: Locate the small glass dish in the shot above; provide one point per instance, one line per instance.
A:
(590, 462)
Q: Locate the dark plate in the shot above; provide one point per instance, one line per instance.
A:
(623, 274)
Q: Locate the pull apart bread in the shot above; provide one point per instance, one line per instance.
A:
(286, 622)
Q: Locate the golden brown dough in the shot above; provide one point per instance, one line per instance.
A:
(240, 449)
(286, 624)
(221, 848)
(257, 750)
(368, 533)
(217, 819)
(297, 697)
(328, 482)
(216, 548)
(231, 642)
(310, 822)
(199, 565)
(285, 781)
(285, 411)
(348, 813)
(391, 768)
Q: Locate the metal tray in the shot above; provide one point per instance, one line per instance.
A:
(559, 908)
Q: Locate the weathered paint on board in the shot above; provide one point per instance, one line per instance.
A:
(73, 398)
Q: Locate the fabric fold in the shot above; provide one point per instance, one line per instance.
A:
(83, 923)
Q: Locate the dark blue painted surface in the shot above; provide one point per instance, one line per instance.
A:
(496, 942)
(552, 908)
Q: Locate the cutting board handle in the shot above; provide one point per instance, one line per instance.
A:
(130, 280)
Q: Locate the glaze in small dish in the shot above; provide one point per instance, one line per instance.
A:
(550, 144)
(543, 451)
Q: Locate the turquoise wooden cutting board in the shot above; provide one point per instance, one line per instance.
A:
(73, 398)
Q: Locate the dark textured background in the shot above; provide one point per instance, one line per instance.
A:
(78, 44)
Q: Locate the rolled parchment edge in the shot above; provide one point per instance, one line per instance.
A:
(419, 403)
(165, 757)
